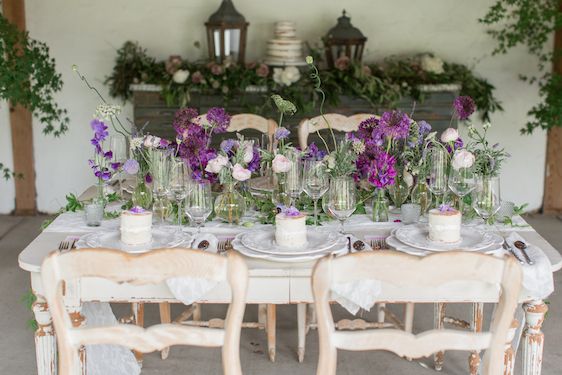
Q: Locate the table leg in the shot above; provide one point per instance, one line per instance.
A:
(301, 323)
(476, 326)
(438, 316)
(533, 337)
(262, 314)
(138, 314)
(197, 312)
(45, 339)
(271, 328)
(165, 318)
(509, 356)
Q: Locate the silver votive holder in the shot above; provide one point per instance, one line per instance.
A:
(93, 213)
(410, 213)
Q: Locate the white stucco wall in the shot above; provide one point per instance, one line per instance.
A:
(87, 33)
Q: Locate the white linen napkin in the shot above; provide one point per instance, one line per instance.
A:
(537, 278)
(74, 222)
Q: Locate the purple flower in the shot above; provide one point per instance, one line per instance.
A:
(291, 211)
(137, 210)
(464, 107)
(458, 143)
(105, 175)
(395, 124)
(108, 155)
(255, 163)
(281, 133)
(424, 128)
(219, 119)
(228, 144)
(446, 208)
(148, 178)
(314, 153)
(131, 166)
(115, 166)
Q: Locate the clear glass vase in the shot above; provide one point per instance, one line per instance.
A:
(399, 193)
(380, 206)
(421, 195)
(280, 194)
(142, 195)
(230, 205)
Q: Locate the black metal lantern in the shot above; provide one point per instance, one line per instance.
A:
(344, 40)
(226, 34)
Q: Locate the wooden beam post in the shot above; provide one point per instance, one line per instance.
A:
(22, 130)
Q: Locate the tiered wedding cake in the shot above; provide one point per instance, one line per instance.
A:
(285, 49)
(445, 224)
(290, 229)
(136, 226)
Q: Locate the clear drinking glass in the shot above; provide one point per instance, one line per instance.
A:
(160, 170)
(486, 199)
(342, 199)
(179, 185)
(199, 203)
(294, 184)
(438, 174)
(461, 182)
(315, 182)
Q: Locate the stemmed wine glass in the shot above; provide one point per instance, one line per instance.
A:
(438, 174)
(342, 199)
(179, 185)
(118, 147)
(486, 196)
(199, 203)
(315, 182)
(294, 176)
(461, 182)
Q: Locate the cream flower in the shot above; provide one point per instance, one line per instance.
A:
(248, 152)
(240, 173)
(180, 76)
(217, 164)
(449, 135)
(408, 178)
(463, 159)
(281, 164)
(432, 64)
(287, 76)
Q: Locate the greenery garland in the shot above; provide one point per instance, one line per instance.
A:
(381, 84)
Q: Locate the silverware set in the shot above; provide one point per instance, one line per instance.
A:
(522, 247)
(224, 246)
(65, 246)
(378, 243)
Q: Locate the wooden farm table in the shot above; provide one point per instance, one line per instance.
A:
(270, 283)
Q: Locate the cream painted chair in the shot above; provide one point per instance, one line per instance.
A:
(150, 268)
(425, 276)
(337, 122)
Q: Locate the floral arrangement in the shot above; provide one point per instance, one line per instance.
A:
(235, 162)
(379, 83)
(101, 163)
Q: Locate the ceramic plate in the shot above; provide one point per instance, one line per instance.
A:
(471, 239)
(263, 241)
(161, 238)
(396, 244)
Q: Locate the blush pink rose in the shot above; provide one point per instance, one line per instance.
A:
(281, 164)
(240, 173)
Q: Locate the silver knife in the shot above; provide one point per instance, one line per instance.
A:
(508, 248)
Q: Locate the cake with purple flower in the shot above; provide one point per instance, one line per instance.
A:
(445, 224)
(290, 228)
(136, 226)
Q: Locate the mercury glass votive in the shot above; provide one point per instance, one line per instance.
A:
(410, 213)
(93, 213)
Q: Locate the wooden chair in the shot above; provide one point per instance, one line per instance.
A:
(336, 121)
(424, 275)
(244, 121)
(150, 268)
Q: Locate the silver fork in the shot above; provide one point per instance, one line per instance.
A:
(64, 246)
(224, 246)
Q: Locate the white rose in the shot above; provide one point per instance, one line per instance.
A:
(180, 76)
(449, 135)
(217, 164)
(240, 173)
(281, 164)
(432, 64)
(248, 153)
(463, 159)
(149, 141)
(277, 74)
(290, 75)
(156, 141)
(408, 178)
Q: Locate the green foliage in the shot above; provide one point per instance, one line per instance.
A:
(73, 204)
(8, 173)
(488, 158)
(28, 299)
(28, 77)
(531, 23)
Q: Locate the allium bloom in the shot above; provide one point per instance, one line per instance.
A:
(424, 128)
(464, 107)
(131, 166)
(342, 63)
(395, 124)
(281, 133)
(262, 70)
(219, 119)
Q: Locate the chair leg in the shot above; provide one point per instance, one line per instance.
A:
(476, 326)
(262, 314)
(138, 313)
(439, 315)
(408, 317)
(197, 312)
(165, 317)
(381, 312)
(310, 316)
(302, 324)
(271, 328)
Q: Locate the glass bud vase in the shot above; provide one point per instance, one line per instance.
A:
(230, 205)
(380, 206)
(142, 195)
(280, 195)
(421, 195)
(399, 193)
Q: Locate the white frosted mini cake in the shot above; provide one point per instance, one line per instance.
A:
(290, 229)
(445, 224)
(136, 226)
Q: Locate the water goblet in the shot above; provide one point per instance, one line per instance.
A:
(315, 182)
(486, 199)
(199, 203)
(342, 199)
(179, 185)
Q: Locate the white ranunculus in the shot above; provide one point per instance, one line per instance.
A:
(180, 76)
(449, 135)
(281, 164)
(248, 152)
(277, 74)
(463, 159)
(217, 164)
(408, 178)
(432, 64)
(240, 173)
(291, 74)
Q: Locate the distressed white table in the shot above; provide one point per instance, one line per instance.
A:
(270, 283)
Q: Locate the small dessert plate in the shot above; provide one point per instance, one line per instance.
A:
(263, 241)
(112, 240)
(471, 239)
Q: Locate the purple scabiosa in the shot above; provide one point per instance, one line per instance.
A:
(314, 153)
(131, 166)
(464, 107)
(281, 133)
(424, 129)
(228, 145)
(395, 124)
(219, 119)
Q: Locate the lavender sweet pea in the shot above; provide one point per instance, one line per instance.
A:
(291, 212)
(445, 208)
(137, 210)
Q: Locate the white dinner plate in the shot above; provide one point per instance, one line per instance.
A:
(161, 238)
(338, 249)
(263, 241)
(396, 244)
(471, 239)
